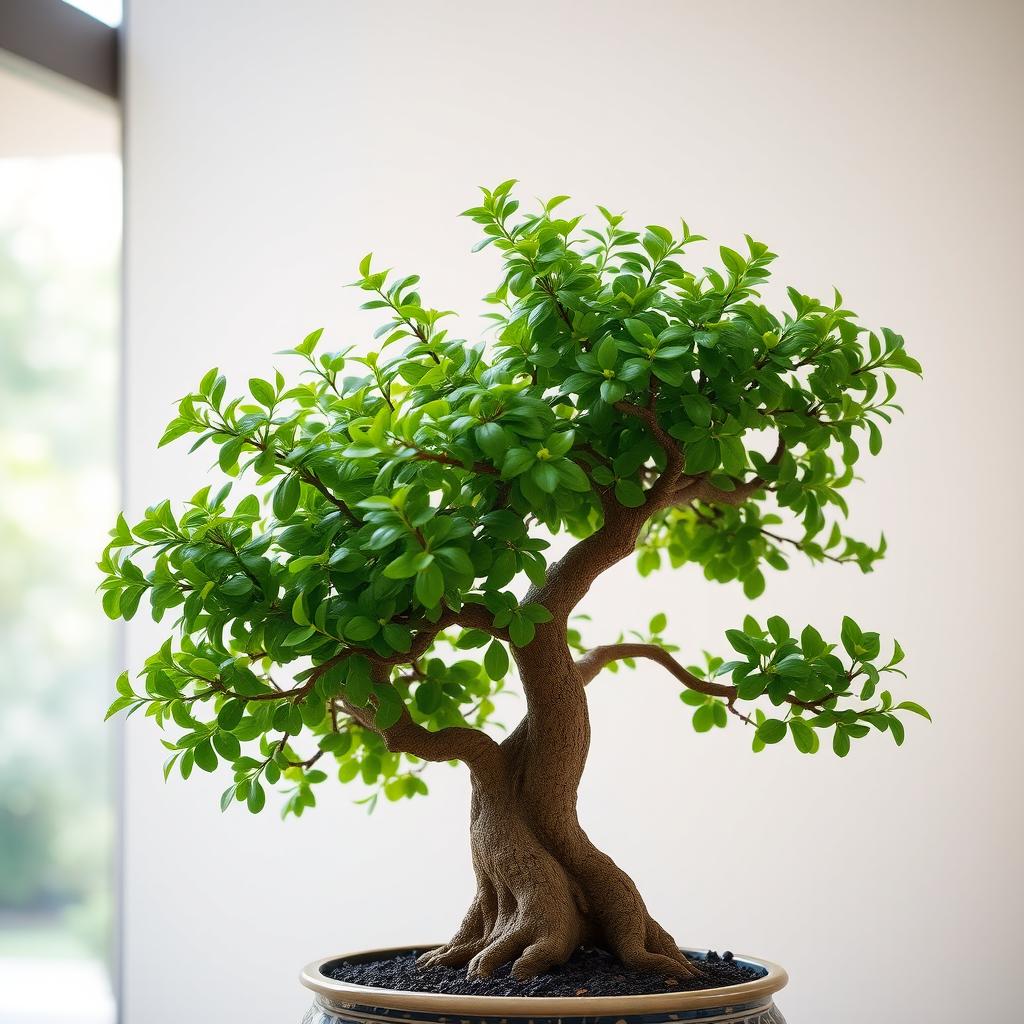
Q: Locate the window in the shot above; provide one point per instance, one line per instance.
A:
(60, 208)
(107, 11)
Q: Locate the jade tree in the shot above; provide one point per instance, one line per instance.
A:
(357, 607)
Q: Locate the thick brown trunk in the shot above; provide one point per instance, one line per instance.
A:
(542, 887)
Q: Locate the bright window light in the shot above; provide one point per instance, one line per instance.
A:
(108, 11)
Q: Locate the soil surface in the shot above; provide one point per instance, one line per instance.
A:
(589, 972)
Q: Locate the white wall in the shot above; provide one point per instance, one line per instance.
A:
(875, 146)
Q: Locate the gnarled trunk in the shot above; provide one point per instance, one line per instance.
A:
(542, 887)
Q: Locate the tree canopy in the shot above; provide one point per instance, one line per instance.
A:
(399, 502)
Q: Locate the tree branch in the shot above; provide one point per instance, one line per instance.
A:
(569, 579)
(591, 663)
(313, 480)
(700, 489)
(453, 743)
(422, 455)
(673, 453)
(304, 473)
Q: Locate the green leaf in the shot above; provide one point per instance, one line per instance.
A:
(629, 494)
(909, 705)
(521, 630)
(429, 586)
(701, 456)
(119, 705)
(204, 755)
(517, 461)
(560, 443)
(772, 730)
(658, 623)
(897, 654)
(613, 391)
(360, 629)
(896, 730)
(286, 497)
(262, 392)
(803, 736)
(428, 696)
(299, 615)
(226, 745)
(811, 643)
(257, 797)
(572, 476)
(607, 353)
(545, 476)
(640, 332)
(496, 662)
(309, 343)
(874, 438)
(227, 458)
(175, 429)
(750, 687)
(753, 584)
(851, 636)
(704, 718)
(230, 714)
(389, 707)
(741, 642)
(358, 683)
(698, 409)
(732, 260)
(408, 564)
(841, 742)
(493, 440)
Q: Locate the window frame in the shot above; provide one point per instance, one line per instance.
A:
(65, 40)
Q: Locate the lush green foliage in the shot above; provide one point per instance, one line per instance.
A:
(393, 489)
(805, 676)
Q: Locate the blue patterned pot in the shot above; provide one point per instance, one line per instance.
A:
(337, 1002)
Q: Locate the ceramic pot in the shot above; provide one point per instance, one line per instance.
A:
(338, 1002)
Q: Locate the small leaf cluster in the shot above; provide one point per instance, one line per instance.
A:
(818, 686)
(737, 542)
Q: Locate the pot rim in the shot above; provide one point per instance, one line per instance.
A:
(346, 993)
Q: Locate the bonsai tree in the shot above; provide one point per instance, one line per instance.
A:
(359, 608)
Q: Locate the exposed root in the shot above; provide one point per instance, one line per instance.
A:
(543, 889)
(530, 951)
(473, 933)
(530, 910)
(450, 954)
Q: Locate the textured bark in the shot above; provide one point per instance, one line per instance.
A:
(543, 888)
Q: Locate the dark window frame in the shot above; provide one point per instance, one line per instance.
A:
(65, 40)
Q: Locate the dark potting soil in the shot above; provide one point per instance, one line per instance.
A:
(589, 972)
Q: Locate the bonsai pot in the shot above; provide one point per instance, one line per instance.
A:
(339, 1002)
